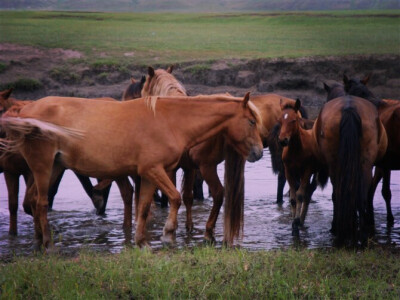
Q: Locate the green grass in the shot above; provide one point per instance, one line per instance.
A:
(205, 273)
(171, 37)
(23, 84)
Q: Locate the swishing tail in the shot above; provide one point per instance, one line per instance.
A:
(349, 176)
(17, 129)
(234, 194)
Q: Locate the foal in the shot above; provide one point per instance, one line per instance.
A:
(301, 160)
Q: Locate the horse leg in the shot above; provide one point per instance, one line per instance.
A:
(366, 214)
(164, 197)
(187, 196)
(137, 181)
(142, 207)
(12, 182)
(198, 186)
(281, 185)
(30, 194)
(100, 194)
(210, 175)
(292, 194)
(126, 191)
(159, 177)
(387, 195)
(310, 188)
(54, 189)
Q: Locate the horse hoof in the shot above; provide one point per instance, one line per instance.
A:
(168, 239)
(209, 241)
(189, 228)
(12, 233)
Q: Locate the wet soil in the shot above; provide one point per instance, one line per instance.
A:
(61, 72)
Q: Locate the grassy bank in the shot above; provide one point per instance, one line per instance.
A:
(164, 38)
(206, 273)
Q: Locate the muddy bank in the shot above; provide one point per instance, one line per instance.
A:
(41, 72)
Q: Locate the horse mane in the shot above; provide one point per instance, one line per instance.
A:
(165, 84)
(14, 110)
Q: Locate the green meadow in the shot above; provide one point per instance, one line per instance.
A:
(205, 273)
(172, 37)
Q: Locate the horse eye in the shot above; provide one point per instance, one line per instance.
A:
(252, 122)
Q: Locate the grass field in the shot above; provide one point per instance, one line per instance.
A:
(164, 38)
(206, 273)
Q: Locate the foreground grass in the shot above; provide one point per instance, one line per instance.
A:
(205, 273)
(167, 37)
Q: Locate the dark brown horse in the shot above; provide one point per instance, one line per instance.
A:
(301, 160)
(351, 139)
(134, 90)
(149, 136)
(389, 113)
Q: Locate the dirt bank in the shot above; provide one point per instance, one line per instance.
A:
(56, 72)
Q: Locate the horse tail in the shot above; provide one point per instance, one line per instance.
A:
(234, 195)
(17, 129)
(348, 175)
(275, 149)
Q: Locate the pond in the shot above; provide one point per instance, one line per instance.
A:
(267, 225)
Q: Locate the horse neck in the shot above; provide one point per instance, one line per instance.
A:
(197, 120)
(304, 140)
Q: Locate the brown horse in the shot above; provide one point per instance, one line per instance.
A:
(134, 90)
(148, 138)
(351, 139)
(207, 155)
(389, 114)
(301, 160)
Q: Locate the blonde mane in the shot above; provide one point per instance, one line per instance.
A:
(164, 84)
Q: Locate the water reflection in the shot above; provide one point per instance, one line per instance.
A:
(267, 225)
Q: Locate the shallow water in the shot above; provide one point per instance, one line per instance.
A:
(267, 225)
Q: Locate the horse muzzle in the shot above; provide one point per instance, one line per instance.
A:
(255, 154)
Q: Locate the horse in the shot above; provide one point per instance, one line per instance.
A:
(301, 160)
(207, 155)
(389, 114)
(351, 139)
(13, 165)
(149, 136)
(134, 90)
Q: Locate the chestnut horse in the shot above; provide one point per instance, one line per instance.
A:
(389, 113)
(205, 157)
(301, 160)
(351, 139)
(148, 138)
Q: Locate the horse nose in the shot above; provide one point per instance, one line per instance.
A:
(255, 154)
(284, 142)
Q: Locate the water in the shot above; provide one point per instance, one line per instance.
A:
(267, 225)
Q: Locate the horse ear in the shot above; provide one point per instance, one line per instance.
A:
(143, 80)
(365, 80)
(297, 105)
(133, 80)
(170, 69)
(281, 103)
(327, 87)
(6, 94)
(246, 99)
(150, 71)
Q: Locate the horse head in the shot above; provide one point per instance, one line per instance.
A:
(334, 90)
(289, 120)
(134, 90)
(243, 131)
(5, 101)
(358, 87)
(162, 83)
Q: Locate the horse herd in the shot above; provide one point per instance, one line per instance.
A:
(158, 128)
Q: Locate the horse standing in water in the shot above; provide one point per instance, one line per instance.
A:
(149, 136)
(351, 139)
(389, 114)
(301, 160)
